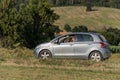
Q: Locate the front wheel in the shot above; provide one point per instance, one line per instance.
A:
(96, 56)
(44, 54)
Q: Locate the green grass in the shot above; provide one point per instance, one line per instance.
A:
(20, 64)
(95, 20)
(115, 49)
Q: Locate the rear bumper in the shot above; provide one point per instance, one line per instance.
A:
(106, 53)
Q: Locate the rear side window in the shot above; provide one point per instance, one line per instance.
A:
(84, 37)
(102, 38)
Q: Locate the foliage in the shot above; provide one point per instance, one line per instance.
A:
(112, 35)
(29, 23)
(105, 3)
(80, 29)
(8, 22)
(115, 49)
(67, 28)
(40, 27)
(88, 7)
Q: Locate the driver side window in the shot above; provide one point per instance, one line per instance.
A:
(63, 39)
(67, 39)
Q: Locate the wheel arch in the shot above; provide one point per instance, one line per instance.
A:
(94, 51)
(43, 50)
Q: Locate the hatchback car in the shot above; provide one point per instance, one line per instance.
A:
(82, 45)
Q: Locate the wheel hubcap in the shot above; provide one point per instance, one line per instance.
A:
(96, 57)
(44, 55)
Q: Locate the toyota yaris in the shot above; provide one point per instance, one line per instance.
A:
(82, 45)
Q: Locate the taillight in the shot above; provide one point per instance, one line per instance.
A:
(102, 44)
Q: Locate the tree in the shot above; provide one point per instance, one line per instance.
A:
(80, 29)
(89, 5)
(38, 24)
(8, 22)
(67, 28)
(29, 25)
(112, 35)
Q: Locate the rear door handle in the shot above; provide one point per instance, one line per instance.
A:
(89, 44)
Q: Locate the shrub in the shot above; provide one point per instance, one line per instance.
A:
(115, 49)
(67, 28)
(81, 28)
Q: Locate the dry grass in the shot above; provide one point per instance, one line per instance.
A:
(95, 20)
(20, 64)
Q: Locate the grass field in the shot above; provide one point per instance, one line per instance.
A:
(95, 20)
(20, 64)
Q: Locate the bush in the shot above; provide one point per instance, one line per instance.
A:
(112, 35)
(29, 25)
(89, 6)
(67, 28)
(81, 28)
(115, 49)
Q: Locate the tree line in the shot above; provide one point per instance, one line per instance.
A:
(27, 23)
(103, 3)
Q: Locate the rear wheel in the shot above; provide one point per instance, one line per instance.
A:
(96, 56)
(44, 54)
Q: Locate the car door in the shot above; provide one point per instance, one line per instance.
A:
(83, 44)
(63, 48)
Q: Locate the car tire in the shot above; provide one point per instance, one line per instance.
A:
(96, 56)
(45, 54)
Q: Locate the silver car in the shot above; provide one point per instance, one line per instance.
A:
(82, 45)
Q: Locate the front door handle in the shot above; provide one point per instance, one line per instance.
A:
(71, 44)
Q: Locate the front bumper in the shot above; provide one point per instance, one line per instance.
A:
(36, 52)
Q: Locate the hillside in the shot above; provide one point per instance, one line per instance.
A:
(95, 20)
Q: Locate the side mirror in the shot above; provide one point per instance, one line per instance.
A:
(57, 42)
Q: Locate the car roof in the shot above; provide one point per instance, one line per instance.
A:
(83, 33)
